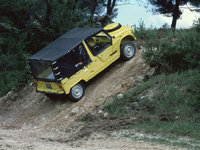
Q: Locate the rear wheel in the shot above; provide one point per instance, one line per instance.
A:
(77, 92)
(127, 50)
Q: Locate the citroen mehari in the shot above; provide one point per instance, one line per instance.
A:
(66, 64)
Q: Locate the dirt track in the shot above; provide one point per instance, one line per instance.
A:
(33, 121)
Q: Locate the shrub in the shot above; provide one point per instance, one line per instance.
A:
(13, 71)
(194, 89)
(172, 52)
(13, 61)
(144, 34)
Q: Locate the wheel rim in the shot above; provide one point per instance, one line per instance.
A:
(77, 91)
(129, 50)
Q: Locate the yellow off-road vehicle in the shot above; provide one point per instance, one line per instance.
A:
(63, 66)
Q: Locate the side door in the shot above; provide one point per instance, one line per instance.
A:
(100, 50)
(100, 46)
(94, 67)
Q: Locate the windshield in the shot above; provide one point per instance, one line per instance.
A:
(98, 43)
(42, 70)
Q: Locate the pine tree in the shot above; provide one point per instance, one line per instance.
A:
(171, 8)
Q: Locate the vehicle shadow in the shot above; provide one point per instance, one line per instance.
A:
(61, 99)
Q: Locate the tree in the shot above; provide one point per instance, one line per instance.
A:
(171, 8)
(95, 7)
(111, 11)
(101, 11)
(26, 27)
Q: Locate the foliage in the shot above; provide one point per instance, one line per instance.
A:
(95, 7)
(163, 104)
(171, 8)
(194, 89)
(13, 55)
(169, 51)
(118, 106)
(28, 26)
(101, 11)
(144, 34)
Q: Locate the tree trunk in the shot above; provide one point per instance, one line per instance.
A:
(93, 9)
(174, 20)
(175, 14)
(110, 6)
(48, 12)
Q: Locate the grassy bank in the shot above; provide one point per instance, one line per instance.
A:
(165, 104)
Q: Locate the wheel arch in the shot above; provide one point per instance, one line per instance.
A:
(69, 86)
(127, 38)
(82, 81)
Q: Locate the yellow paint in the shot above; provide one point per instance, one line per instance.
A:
(54, 90)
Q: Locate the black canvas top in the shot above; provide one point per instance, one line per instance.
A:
(64, 44)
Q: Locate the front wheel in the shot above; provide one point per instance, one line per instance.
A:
(77, 92)
(127, 50)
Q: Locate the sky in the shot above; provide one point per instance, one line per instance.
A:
(134, 13)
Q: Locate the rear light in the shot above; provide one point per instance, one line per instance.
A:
(35, 83)
(60, 86)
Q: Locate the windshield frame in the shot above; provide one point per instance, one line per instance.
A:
(106, 33)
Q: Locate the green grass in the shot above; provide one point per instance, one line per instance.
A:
(175, 128)
(166, 141)
(165, 104)
(187, 145)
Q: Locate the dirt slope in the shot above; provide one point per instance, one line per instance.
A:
(31, 120)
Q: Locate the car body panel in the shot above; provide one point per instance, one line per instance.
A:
(49, 87)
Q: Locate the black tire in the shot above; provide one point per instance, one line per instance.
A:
(128, 50)
(77, 92)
